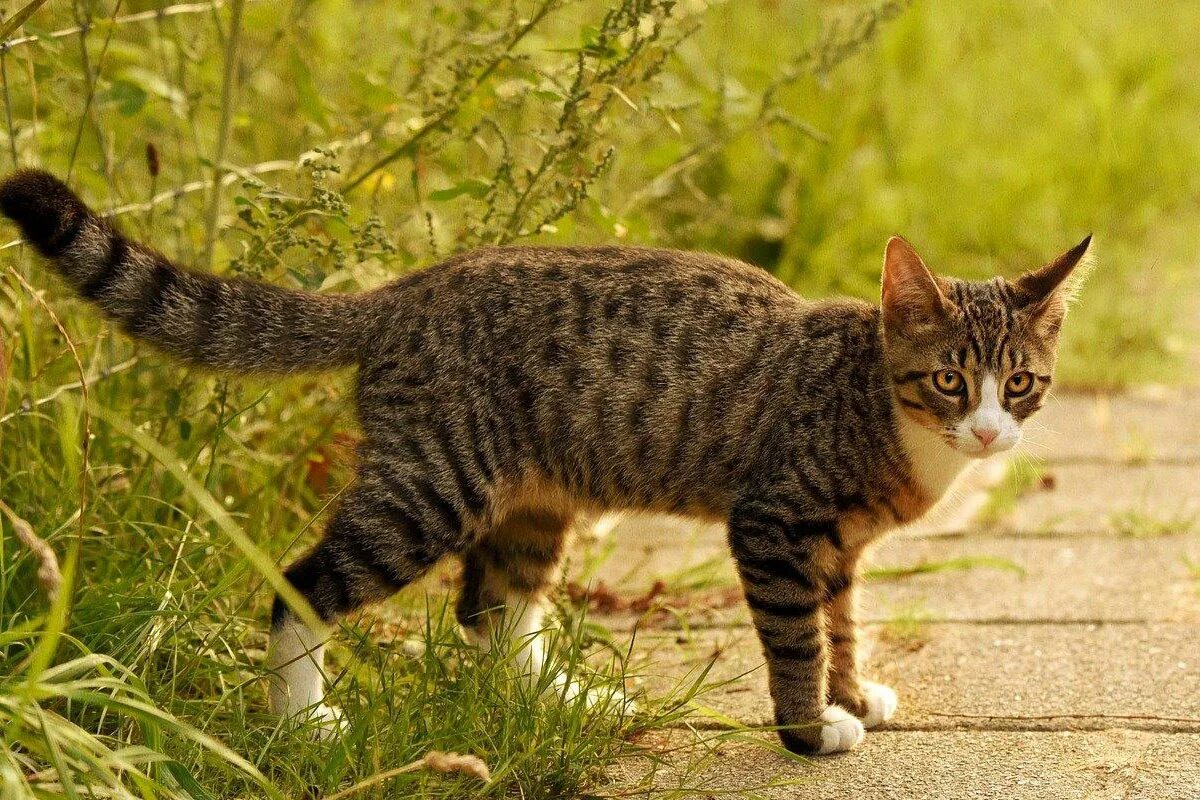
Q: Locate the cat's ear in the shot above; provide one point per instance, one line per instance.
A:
(911, 295)
(1046, 292)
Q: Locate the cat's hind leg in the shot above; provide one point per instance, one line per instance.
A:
(505, 578)
(391, 527)
(506, 575)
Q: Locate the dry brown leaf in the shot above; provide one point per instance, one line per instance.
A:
(435, 760)
(48, 572)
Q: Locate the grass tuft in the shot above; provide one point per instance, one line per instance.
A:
(1023, 475)
(1134, 523)
(946, 565)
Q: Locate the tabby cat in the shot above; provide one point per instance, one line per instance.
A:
(507, 390)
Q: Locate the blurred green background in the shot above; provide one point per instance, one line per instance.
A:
(355, 140)
(992, 134)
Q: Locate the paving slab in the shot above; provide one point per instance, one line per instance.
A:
(1148, 424)
(1084, 579)
(948, 765)
(644, 548)
(1100, 498)
(1075, 578)
(1056, 677)
(1053, 654)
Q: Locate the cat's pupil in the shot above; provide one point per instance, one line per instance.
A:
(1020, 383)
(948, 381)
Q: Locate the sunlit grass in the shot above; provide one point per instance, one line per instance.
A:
(169, 619)
(907, 626)
(1021, 476)
(1135, 523)
(993, 134)
(959, 564)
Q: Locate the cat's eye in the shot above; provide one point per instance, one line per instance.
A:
(948, 381)
(1018, 384)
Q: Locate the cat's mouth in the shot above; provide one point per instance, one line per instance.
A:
(981, 444)
(975, 446)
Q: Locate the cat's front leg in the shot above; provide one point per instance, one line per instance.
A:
(871, 702)
(785, 561)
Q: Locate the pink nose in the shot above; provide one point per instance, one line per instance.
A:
(985, 435)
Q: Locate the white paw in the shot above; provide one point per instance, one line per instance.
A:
(840, 731)
(615, 700)
(881, 703)
(326, 722)
(611, 699)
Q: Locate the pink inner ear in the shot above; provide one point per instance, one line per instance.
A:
(1037, 285)
(910, 292)
(1048, 315)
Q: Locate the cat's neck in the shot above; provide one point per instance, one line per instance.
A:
(935, 465)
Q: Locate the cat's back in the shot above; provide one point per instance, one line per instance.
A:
(577, 296)
(607, 311)
(609, 272)
(607, 363)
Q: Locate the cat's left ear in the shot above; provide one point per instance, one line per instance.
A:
(1047, 291)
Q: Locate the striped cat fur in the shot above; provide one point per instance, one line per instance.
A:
(505, 391)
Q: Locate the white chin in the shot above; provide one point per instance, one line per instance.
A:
(974, 450)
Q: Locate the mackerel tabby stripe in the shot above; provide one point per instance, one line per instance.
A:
(505, 390)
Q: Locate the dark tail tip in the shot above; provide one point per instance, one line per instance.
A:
(48, 213)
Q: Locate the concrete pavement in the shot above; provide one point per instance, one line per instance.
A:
(1052, 653)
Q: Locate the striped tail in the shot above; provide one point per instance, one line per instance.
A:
(227, 324)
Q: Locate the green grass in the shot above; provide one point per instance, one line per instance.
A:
(1021, 476)
(959, 564)
(1135, 523)
(170, 615)
(993, 134)
(907, 627)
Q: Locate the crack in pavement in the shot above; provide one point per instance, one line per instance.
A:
(1047, 723)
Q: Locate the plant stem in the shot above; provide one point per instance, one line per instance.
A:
(8, 117)
(460, 96)
(90, 78)
(218, 161)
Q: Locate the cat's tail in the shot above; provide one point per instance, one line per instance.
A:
(227, 324)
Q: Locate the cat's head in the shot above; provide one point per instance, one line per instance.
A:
(972, 360)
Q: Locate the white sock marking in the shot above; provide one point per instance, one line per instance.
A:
(297, 658)
(841, 731)
(881, 703)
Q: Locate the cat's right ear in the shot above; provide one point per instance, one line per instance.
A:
(911, 295)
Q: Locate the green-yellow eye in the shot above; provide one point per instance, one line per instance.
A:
(1018, 384)
(948, 381)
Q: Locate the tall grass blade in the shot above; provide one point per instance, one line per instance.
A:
(10, 25)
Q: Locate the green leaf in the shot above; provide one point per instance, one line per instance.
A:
(307, 96)
(186, 780)
(129, 98)
(152, 83)
(471, 186)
